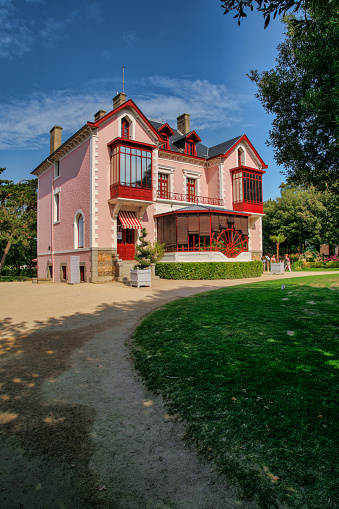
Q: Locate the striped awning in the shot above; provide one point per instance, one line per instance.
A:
(129, 220)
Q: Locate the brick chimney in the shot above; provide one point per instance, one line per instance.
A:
(55, 140)
(183, 123)
(99, 114)
(118, 100)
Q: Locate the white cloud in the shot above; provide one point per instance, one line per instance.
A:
(26, 124)
(130, 38)
(210, 105)
(15, 35)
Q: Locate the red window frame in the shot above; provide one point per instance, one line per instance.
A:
(191, 189)
(249, 187)
(125, 129)
(190, 148)
(163, 185)
(132, 166)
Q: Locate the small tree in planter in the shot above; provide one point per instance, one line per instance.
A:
(141, 274)
(143, 256)
(277, 268)
(278, 239)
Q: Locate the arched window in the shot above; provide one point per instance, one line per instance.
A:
(124, 128)
(241, 157)
(80, 230)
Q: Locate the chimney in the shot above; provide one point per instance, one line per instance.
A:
(183, 123)
(99, 114)
(118, 100)
(55, 140)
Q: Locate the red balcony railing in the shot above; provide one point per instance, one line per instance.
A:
(200, 200)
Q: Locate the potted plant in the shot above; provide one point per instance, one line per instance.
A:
(277, 267)
(141, 274)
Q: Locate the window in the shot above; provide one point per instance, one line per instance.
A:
(56, 217)
(190, 186)
(247, 187)
(63, 273)
(241, 157)
(132, 167)
(124, 128)
(252, 188)
(56, 169)
(190, 148)
(163, 181)
(80, 230)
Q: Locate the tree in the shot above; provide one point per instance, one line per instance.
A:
(18, 205)
(143, 256)
(278, 239)
(274, 7)
(305, 216)
(303, 94)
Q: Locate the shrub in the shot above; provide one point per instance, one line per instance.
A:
(209, 270)
(298, 265)
(11, 270)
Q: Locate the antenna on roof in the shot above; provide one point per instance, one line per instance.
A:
(123, 79)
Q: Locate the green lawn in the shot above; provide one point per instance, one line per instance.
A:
(253, 370)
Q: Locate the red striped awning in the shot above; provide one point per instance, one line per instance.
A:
(129, 220)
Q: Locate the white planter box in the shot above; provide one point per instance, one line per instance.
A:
(141, 277)
(277, 268)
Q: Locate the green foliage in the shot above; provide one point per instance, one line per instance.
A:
(143, 256)
(272, 8)
(304, 216)
(253, 372)
(9, 270)
(157, 252)
(209, 270)
(18, 206)
(303, 94)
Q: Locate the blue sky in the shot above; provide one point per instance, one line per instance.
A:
(60, 62)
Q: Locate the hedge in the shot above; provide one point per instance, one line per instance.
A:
(9, 270)
(322, 265)
(209, 270)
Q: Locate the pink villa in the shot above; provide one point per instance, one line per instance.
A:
(123, 172)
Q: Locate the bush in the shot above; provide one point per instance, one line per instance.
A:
(209, 270)
(298, 265)
(11, 270)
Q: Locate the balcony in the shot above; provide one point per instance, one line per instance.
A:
(199, 200)
(131, 192)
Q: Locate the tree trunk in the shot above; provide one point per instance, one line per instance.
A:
(277, 251)
(4, 256)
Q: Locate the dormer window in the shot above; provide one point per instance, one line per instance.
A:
(166, 144)
(190, 143)
(165, 132)
(190, 148)
(125, 129)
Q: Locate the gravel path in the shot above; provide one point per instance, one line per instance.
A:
(78, 428)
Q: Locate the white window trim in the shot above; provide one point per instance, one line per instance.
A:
(56, 174)
(78, 213)
(243, 156)
(167, 170)
(192, 174)
(132, 123)
(55, 193)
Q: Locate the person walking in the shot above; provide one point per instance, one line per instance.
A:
(287, 263)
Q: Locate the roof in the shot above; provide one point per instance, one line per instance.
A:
(202, 150)
(205, 208)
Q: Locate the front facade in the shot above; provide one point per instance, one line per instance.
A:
(123, 172)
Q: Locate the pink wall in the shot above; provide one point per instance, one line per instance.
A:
(44, 223)
(74, 187)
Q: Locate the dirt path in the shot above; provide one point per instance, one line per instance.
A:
(78, 428)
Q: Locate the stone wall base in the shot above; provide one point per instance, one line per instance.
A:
(256, 255)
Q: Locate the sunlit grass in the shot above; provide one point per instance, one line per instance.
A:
(253, 370)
